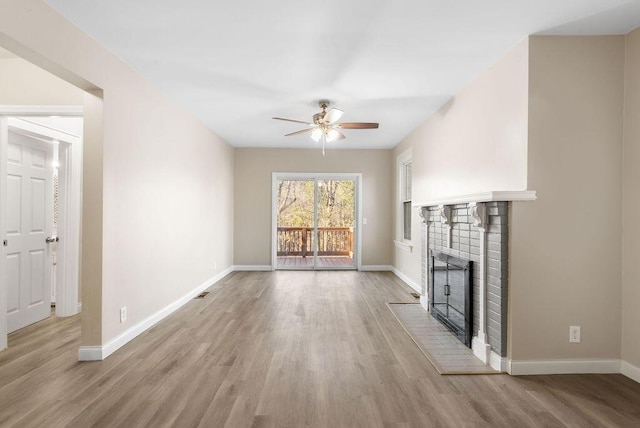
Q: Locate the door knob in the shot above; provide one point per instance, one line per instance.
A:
(49, 240)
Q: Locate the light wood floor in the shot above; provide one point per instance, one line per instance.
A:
(285, 349)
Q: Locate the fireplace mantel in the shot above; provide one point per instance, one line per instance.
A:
(508, 195)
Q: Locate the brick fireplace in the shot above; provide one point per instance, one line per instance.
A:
(475, 228)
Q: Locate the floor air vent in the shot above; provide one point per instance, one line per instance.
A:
(415, 295)
(202, 295)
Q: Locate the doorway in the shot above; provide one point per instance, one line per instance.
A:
(40, 182)
(316, 221)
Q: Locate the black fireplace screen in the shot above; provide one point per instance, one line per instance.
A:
(450, 298)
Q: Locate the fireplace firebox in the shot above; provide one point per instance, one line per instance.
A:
(450, 297)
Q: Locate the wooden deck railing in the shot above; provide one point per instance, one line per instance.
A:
(298, 241)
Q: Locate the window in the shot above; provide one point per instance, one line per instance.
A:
(404, 172)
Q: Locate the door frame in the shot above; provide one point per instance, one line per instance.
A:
(275, 176)
(70, 201)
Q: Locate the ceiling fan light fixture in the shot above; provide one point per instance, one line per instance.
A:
(325, 127)
(331, 135)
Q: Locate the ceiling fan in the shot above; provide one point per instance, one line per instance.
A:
(325, 127)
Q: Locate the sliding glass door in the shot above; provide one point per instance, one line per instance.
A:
(316, 221)
(335, 206)
(296, 220)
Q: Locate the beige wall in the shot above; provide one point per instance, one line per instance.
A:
(166, 181)
(631, 204)
(475, 143)
(91, 272)
(22, 83)
(478, 141)
(253, 170)
(565, 247)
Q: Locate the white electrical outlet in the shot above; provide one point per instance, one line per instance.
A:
(123, 314)
(574, 334)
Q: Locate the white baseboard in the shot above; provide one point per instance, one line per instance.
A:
(481, 349)
(424, 302)
(96, 353)
(376, 268)
(248, 268)
(630, 371)
(407, 280)
(90, 353)
(543, 367)
(498, 363)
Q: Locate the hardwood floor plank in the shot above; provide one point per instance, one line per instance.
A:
(285, 348)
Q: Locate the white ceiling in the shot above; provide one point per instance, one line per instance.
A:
(237, 64)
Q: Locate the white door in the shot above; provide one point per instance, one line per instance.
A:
(29, 220)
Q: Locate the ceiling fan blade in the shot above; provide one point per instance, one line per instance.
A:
(357, 125)
(333, 115)
(292, 120)
(299, 132)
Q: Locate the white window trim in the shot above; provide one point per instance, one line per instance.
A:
(400, 242)
(403, 245)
